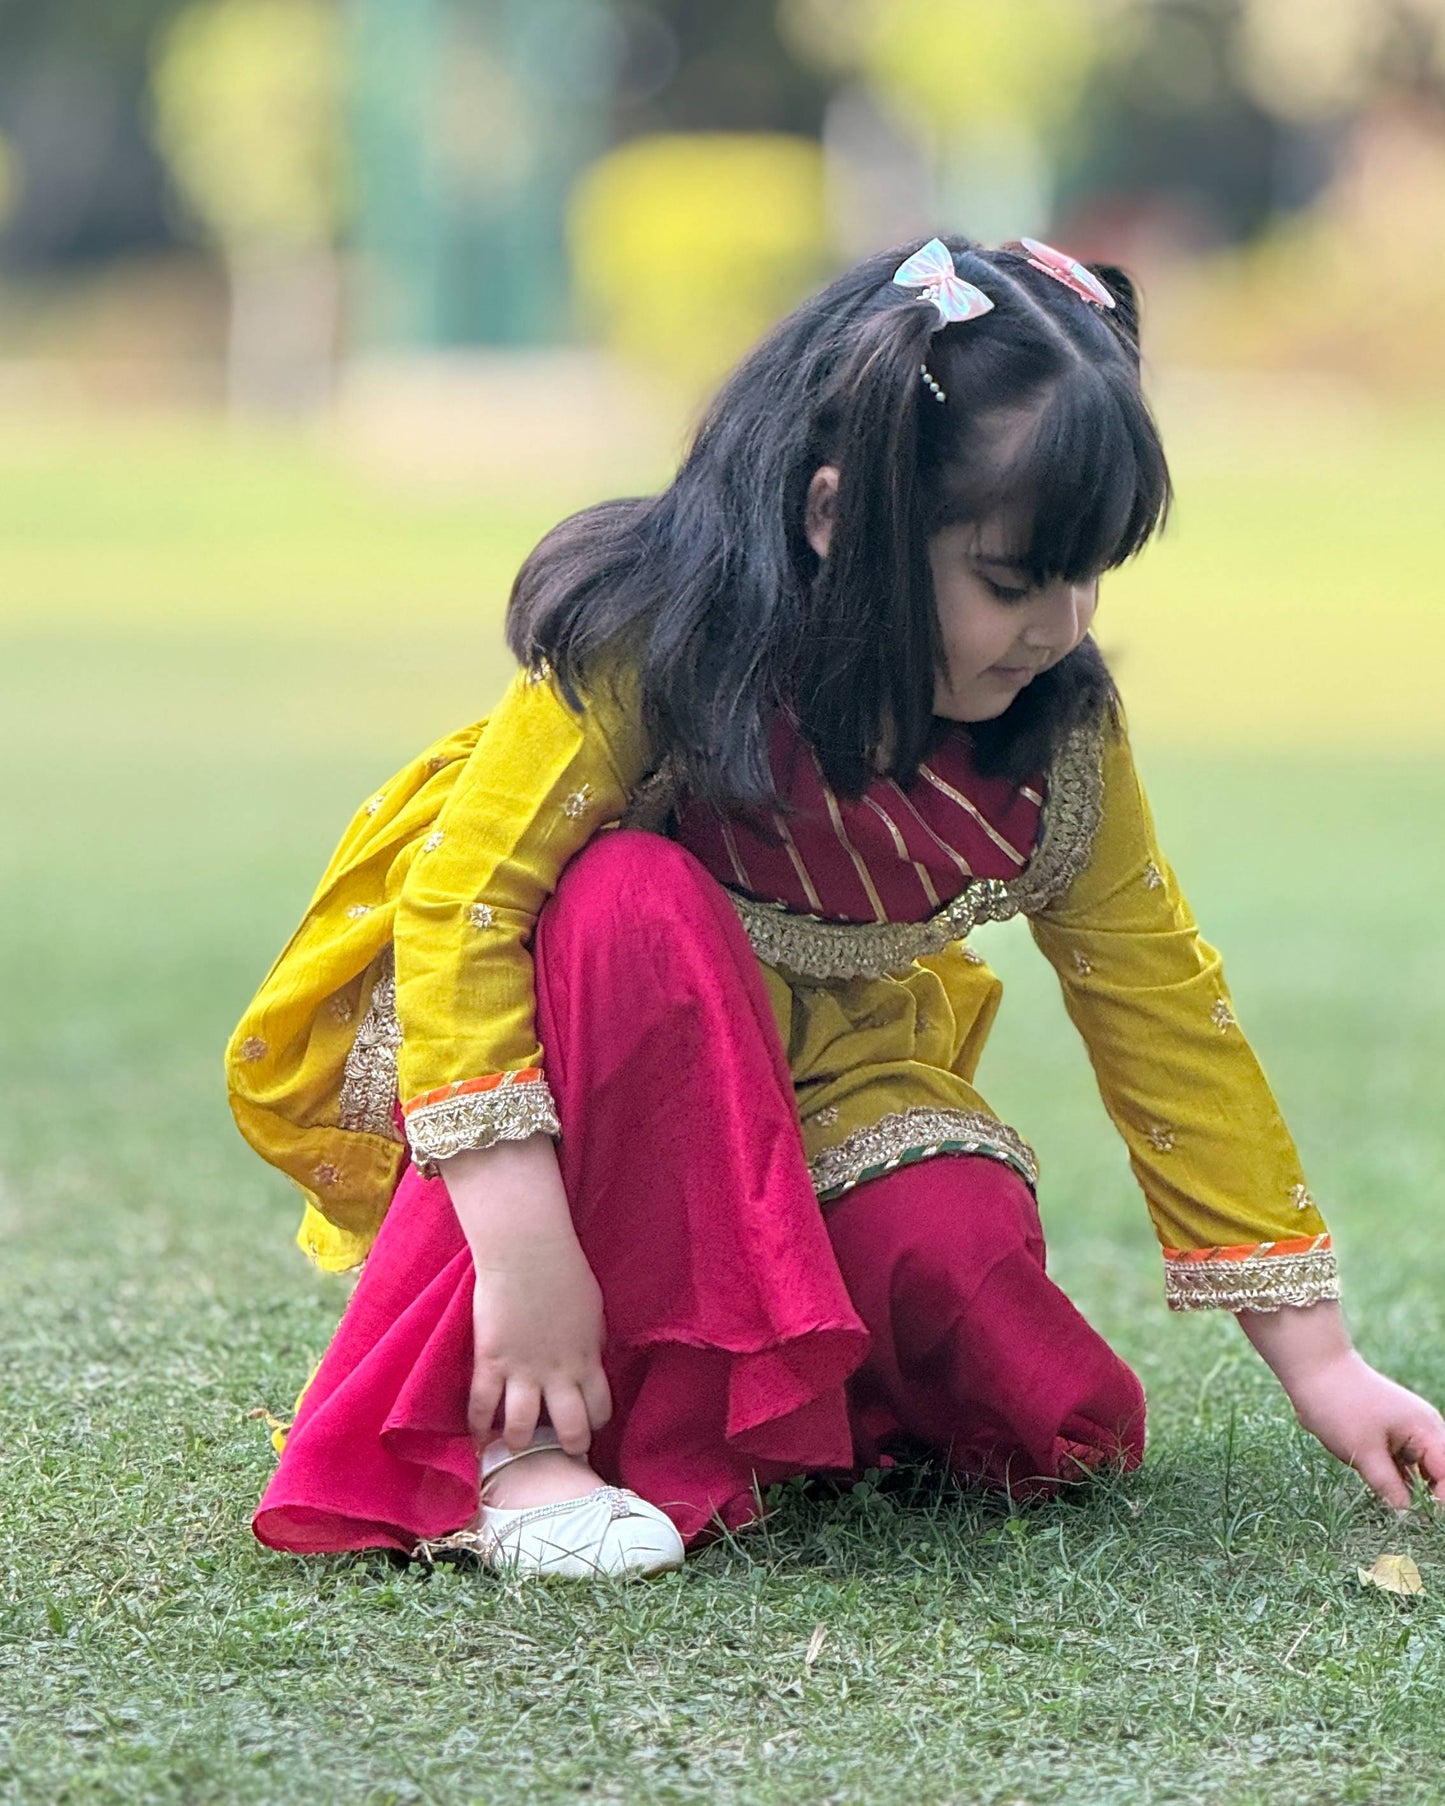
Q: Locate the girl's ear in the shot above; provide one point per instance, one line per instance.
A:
(821, 508)
(1120, 284)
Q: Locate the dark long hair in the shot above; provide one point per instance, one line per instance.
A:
(712, 593)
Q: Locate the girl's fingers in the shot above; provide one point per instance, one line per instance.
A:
(1425, 1449)
(598, 1397)
(568, 1414)
(524, 1401)
(482, 1408)
(1377, 1469)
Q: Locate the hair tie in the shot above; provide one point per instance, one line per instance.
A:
(931, 269)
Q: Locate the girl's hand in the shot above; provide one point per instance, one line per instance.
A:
(1373, 1425)
(1370, 1423)
(537, 1319)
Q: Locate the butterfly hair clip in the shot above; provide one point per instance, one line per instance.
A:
(1067, 270)
(931, 269)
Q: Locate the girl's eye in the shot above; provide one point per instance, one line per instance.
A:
(1005, 594)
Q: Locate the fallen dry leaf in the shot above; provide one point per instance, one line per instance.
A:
(815, 1645)
(1393, 1573)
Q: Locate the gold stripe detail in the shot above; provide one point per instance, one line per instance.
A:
(900, 846)
(973, 811)
(1260, 1282)
(817, 949)
(734, 857)
(943, 846)
(905, 1135)
(880, 914)
(797, 859)
(367, 1101)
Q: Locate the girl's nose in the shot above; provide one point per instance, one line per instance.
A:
(1061, 620)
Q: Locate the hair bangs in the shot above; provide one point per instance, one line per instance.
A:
(717, 594)
(1076, 487)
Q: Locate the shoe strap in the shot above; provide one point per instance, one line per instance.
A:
(496, 1455)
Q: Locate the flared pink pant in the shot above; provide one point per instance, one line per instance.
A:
(751, 1334)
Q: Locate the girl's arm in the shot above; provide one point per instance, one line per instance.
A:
(537, 1318)
(1375, 1426)
(1239, 1227)
(543, 780)
(1237, 1223)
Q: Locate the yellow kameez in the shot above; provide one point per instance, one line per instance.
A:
(411, 978)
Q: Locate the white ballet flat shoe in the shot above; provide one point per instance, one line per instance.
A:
(608, 1532)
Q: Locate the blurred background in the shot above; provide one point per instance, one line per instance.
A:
(316, 314)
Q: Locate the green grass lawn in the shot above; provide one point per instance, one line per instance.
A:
(186, 722)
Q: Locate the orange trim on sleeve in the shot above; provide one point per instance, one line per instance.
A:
(528, 1075)
(1299, 1244)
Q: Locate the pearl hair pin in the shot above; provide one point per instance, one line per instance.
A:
(931, 269)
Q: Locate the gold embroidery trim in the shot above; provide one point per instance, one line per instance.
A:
(367, 1102)
(813, 948)
(906, 1135)
(478, 1119)
(1260, 1282)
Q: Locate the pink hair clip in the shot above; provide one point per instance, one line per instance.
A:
(1067, 270)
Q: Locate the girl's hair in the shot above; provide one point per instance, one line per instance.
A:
(712, 593)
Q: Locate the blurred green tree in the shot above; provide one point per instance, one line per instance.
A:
(9, 178)
(247, 108)
(121, 29)
(696, 66)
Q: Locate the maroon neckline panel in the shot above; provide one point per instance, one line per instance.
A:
(894, 855)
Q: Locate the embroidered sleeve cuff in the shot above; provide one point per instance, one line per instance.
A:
(476, 1113)
(1259, 1276)
(903, 1136)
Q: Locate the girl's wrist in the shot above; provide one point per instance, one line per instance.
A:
(1299, 1342)
(512, 1188)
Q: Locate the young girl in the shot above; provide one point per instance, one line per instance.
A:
(631, 1035)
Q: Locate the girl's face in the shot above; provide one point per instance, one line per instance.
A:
(998, 633)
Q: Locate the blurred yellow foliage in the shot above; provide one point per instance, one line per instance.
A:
(247, 114)
(967, 64)
(687, 247)
(977, 64)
